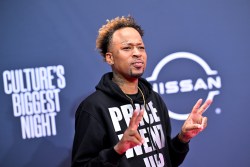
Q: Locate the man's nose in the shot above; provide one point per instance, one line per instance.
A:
(136, 52)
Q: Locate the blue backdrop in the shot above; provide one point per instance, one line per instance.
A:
(48, 59)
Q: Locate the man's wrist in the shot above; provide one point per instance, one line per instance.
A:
(183, 138)
(118, 150)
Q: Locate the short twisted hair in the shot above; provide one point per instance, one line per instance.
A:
(106, 31)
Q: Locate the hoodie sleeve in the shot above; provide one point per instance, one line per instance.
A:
(178, 151)
(88, 147)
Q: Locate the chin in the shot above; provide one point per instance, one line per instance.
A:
(136, 75)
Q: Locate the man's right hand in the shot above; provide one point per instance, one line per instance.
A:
(131, 136)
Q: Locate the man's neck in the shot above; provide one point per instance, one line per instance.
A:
(127, 86)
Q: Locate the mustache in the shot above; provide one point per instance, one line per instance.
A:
(137, 61)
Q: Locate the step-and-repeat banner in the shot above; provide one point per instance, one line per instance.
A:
(49, 64)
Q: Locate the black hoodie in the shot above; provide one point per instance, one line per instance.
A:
(102, 118)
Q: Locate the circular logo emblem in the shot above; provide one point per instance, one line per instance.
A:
(209, 82)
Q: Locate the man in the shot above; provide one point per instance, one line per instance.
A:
(124, 122)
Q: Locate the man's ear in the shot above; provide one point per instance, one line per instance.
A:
(109, 58)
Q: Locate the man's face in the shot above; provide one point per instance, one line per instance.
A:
(127, 53)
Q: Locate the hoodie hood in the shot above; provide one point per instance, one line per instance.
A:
(107, 86)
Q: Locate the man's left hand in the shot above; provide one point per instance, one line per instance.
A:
(195, 122)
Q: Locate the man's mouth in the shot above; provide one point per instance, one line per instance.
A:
(138, 64)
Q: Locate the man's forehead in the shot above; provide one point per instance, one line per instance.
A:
(131, 42)
(128, 42)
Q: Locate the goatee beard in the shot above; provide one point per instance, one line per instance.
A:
(138, 75)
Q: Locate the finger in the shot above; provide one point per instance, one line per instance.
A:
(204, 107)
(204, 122)
(138, 138)
(136, 119)
(133, 119)
(139, 118)
(197, 106)
(134, 141)
(134, 137)
(192, 127)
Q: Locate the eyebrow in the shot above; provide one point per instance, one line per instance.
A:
(131, 43)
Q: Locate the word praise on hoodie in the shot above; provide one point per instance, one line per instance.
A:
(149, 124)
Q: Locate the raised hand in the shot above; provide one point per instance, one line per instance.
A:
(195, 122)
(131, 136)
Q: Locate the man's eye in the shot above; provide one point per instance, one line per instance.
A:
(126, 48)
(141, 47)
